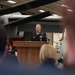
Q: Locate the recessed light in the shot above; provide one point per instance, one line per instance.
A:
(41, 11)
(10, 1)
(55, 15)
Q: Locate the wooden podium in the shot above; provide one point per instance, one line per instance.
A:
(28, 52)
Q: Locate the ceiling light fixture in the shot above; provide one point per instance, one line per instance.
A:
(10, 1)
(41, 11)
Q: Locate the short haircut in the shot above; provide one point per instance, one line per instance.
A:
(3, 39)
(39, 25)
(47, 51)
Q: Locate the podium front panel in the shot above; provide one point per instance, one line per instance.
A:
(28, 52)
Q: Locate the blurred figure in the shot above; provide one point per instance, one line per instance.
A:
(5, 57)
(11, 50)
(48, 56)
(3, 41)
(38, 35)
(68, 22)
(8, 46)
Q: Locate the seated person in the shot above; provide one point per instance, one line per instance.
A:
(12, 50)
(48, 56)
(38, 35)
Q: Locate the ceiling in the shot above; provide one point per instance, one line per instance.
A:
(54, 8)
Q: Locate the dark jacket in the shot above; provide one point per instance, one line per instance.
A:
(47, 64)
(10, 60)
(49, 68)
(39, 37)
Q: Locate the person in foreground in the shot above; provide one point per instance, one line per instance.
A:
(5, 57)
(48, 56)
(68, 22)
(38, 35)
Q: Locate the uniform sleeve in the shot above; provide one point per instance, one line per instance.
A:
(44, 37)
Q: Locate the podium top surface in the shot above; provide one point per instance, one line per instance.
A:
(28, 43)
